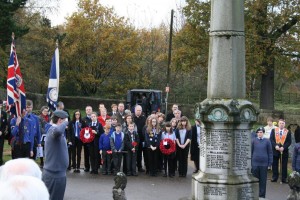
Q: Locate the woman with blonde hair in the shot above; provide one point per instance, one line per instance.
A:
(183, 138)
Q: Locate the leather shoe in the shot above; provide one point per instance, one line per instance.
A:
(284, 181)
(86, 170)
(141, 170)
(196, 171)
(274, 180)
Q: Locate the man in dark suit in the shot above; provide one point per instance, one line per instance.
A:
(140, 121)
(87, 120)
(281, 140)
(3, 131)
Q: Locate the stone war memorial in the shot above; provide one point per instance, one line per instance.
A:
(225, 154)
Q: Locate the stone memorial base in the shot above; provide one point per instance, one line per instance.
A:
(225, 151)
(216, 187)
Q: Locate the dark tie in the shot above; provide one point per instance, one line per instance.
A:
(280, 134)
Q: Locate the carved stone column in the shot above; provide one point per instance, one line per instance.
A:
(225, 154)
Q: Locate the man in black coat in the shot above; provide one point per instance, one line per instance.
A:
(3, 130)
(140, 121)
(87, 120)
(281, 140)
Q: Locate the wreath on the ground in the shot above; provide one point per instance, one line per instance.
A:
(167, 146)
(87, 135)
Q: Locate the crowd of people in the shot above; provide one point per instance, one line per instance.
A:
(110, 141)
(129, 142)
(270, 149)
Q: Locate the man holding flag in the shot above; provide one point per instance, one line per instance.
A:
(22, 127)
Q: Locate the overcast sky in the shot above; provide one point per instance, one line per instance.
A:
(142, 13)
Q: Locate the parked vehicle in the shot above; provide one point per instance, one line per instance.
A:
(150, 100)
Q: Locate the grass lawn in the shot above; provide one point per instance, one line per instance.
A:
(6, 152)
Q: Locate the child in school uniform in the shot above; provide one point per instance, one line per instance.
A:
(152, 140)
(117, 146)
(105, 151)
(184, 136)
(170, 158)
(131, 141)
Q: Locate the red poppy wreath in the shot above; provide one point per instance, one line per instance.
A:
(167, 146)
(87, 135)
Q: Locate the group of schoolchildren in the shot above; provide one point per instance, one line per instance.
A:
(119, 136)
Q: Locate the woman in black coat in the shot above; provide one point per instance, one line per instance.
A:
(195, 144)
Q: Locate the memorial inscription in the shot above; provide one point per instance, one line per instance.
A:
(217, 149)
(215, 146)
(214, 191)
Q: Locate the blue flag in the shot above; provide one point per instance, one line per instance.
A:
(53, 85)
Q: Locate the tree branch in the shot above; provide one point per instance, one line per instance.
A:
(283, 29)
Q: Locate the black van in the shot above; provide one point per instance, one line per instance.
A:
(150, 100)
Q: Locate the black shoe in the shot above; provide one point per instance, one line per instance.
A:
(134, 174)
(69, 168)
(128, 174)
(284, 181)
(170, 175)
(165, 175)
(196, 171)
(76, 171)
(141, 170)
(274, 180)
(86, 170)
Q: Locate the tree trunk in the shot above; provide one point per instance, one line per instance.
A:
(267, 89)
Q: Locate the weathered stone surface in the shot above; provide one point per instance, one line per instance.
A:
(225, 150)
(294, 183)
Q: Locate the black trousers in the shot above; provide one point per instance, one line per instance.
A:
(1, 149)
(70, 153)
(139, 156)
(125, 163)
(106, 166)
(76, 153)
(94, 154)
(117, 157)
(22, 150)
(261, 173)
(153, 161)
(182, 160)
(275, 169)
(86, 156)
(131, 162)
(169, 163)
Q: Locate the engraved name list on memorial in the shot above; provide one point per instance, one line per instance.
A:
(216, 145)
(217, 149)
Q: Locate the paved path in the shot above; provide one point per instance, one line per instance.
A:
(85, 186)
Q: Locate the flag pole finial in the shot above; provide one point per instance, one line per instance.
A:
(56, 43)
(13, 35)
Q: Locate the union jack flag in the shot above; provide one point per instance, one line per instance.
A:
(16, 97)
